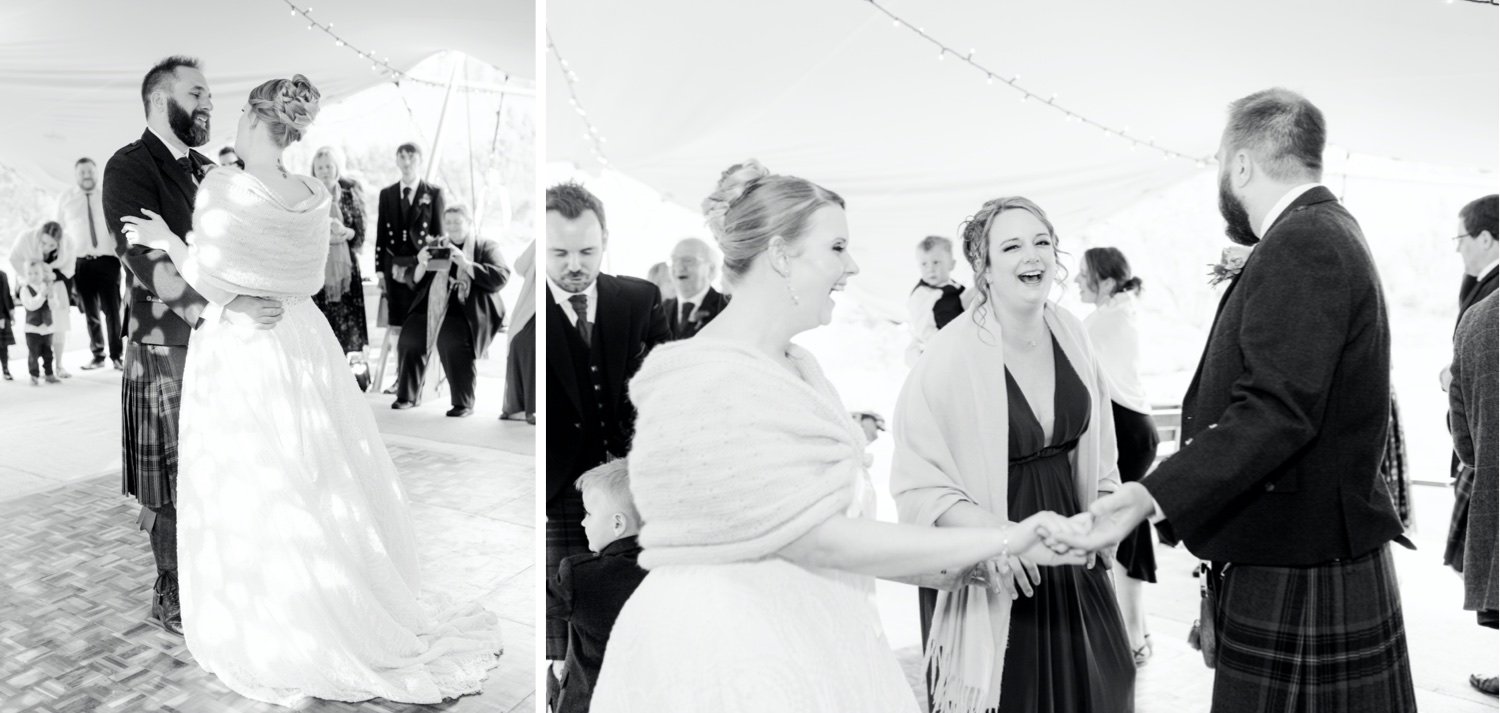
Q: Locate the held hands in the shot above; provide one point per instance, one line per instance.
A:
(150, 231)
(1107, 521)
(258, 312)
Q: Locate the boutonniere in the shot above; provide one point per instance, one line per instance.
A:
(426, 199)
(1231, 262)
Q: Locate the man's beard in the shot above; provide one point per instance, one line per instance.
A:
(1237, 220)
(184, 128)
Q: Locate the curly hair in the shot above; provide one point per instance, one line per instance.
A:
(751, 205)
(288, 106)
(975, 233)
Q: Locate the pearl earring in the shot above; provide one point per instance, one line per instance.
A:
(792, 291)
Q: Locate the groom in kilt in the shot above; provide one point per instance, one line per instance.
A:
(160, 173)
(1284, 427)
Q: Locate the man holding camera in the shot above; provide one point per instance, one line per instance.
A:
(459, 278)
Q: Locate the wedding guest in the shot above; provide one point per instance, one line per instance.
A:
(520, 357)
(466, 276)
(37, 298)
(1473, 409)
(660, 275)
(599, 329)
(342, 299)
(1283, 429)
(589, 590)
(227, 157)
(96, 273)
(1105, 281)
(937, 299)
(7, 333)
(46, 245)
(1478, 248)
(410, 211)
(694, 302)
(1053, 640)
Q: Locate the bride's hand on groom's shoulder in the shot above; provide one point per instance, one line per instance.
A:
(148, 230)
(258, 312)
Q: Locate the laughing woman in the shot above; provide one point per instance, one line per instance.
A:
(1008, 414)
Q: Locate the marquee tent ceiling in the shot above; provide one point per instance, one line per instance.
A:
(833, 91)
(70, 70)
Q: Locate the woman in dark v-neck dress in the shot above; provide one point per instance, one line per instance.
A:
(1068, 651)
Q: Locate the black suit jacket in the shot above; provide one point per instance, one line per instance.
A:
(629, 323)
(143, 175)
(483, 310)
(713, 303)
(1284, 424)
(400, 232)
(588, 594)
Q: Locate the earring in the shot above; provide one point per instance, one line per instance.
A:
(792, 291)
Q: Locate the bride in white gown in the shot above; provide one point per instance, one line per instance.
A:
(298, 561)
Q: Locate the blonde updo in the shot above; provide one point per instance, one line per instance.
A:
(751, 206)
(288, 106)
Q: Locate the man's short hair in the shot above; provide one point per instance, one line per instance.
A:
(460, 209)
(613, 478)
(571, 199)
(161, 74)
(933, 242)
(409, 147)
(1283, 131)
(84, 160)
(1480, 215)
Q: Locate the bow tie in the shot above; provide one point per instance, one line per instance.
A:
(186, 162)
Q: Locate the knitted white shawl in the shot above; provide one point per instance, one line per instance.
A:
(952, 428)
(247, 241)
(734, 457)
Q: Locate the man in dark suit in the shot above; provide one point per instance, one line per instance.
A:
(410, 212)
(1283, 428)
(1474, 405)
(697, 302)
(160, 172)
(471, 273)
(599, 330)
(1480, 252)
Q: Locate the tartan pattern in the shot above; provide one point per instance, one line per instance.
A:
(1393, 467)
(1323, 638)
(565, 538)
(151, 396)
(1458, 524)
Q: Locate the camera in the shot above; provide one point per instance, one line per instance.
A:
(438, 248)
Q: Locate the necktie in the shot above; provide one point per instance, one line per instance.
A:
(585, 328)
(88, 207)
(687, 311)
(406, 197)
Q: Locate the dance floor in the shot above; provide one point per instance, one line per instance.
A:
(75, 573)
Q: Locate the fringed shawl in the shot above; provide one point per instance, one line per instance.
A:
(952, 432)
(734, 456)
(247, 241)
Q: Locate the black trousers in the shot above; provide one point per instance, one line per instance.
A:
(455, 348)
(97, 280)
(38, 350)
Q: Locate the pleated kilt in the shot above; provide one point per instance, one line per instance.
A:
(1323, 638)
(151, 395)
(1458, 524)
(565, 538)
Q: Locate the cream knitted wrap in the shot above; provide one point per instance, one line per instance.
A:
(248, 241)
(734, 457)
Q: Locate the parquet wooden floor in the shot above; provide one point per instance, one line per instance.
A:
(75, 578)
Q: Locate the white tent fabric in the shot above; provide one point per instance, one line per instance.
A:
(70, 70)
(833, 91)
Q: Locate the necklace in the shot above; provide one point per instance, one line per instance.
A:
(281, 168)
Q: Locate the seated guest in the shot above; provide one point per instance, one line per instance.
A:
(461, 280)
(936, 299)
(590, 589)
(695, 302)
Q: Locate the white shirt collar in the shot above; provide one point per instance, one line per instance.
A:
(697, 299)
(1281, 206)
(413, 186)
(168, 144)
(1487, 269)
(560, 296)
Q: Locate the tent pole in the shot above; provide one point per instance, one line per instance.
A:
(437, 137)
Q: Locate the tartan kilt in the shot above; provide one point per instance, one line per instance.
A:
(565, 538)
(1323, 638)
(151, 398)
(1458, 525)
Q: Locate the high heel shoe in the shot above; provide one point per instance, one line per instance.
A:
(1142, 654)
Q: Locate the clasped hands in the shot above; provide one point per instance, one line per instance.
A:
(152, 232)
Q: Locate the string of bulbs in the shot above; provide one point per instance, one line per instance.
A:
(596, 140)
(378, 63)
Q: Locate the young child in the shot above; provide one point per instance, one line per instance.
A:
(591, 589)
(7, 336)
(35, 298)
(937, 299)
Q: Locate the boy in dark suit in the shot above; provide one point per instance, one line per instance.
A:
(589, 590)
(410, 212)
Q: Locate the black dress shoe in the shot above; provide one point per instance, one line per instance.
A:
(459, 411)
(167, 612)
(97, 363)
(402, 405)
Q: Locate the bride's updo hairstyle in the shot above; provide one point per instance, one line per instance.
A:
(288, 106)
(751, 206)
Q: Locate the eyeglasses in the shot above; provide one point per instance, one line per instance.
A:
(1459, 237)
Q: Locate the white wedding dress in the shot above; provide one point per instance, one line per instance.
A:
(298, 561)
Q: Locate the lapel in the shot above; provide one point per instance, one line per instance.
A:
(169, 167)
(674, 312)
(611, 334)
(557, 339)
